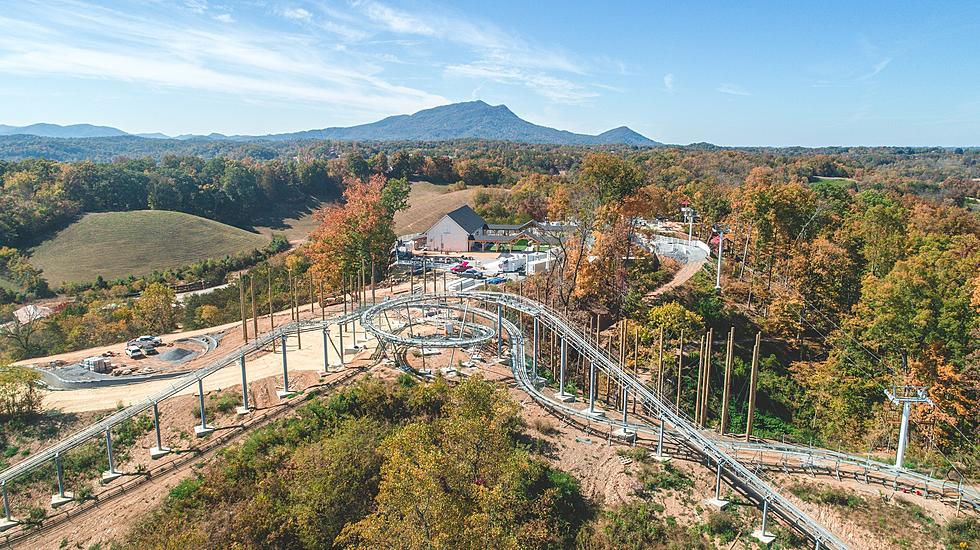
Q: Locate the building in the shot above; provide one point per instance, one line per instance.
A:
(455, 231)
(463, 230)
(32, 312)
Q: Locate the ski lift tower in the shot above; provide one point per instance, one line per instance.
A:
(906, 396)
(689, 215)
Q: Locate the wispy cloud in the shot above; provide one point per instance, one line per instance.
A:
(732, 89)
(224, 18)
(553, 88)
(878, 67)
(87, 41)
(299, 14)
(669, 82)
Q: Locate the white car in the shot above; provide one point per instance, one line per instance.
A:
(134, 352)
(144, 341)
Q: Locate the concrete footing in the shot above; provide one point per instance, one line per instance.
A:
(625, 434)
(242, 411)
(565, 397)
(283, 394)
(57, 501)
(158, 452)
(765, 538)
(594, 413)
(662, 458)
(110, 476)
(201, 431)
(7, 524)
(718, 503)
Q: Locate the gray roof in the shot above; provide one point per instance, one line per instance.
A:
(467, 218)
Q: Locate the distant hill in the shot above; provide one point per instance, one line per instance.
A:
(468, 120)
(58, 131)
(119, 244)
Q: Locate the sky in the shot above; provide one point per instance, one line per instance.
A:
(730, 73)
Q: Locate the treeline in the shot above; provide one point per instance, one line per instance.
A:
(40, 196)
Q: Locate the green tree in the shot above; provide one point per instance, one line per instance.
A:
(155, 310)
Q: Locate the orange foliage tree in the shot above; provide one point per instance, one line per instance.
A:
(358, 232)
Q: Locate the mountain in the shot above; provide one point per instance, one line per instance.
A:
(58, 131)
(468, 120)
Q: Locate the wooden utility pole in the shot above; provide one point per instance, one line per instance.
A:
(700, 383)
(660, 363)
(752, 381)
(255, 317)
(272, 317)
(373, 296)
(723, 425)
(289, 290)
(323, 314)
(241, 307)
(680, 363)
(636, 359)
(299, 341)
(312, 301)
(707, 378)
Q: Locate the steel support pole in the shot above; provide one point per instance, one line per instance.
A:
(200, 395)
(903, 434)
(765, 515)
(500, 336)
(241, 364)
(285, 372)
(326, 358)
(156, 425)
(534, 353)
(108, 450)
(6, 501)
(561, 366)
(341, 325)
(591, 386)
(721, 241)
(625, 401)
(660, 439)
(61, 475)
(718, 482)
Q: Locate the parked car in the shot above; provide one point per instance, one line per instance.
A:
(471, 274)
(461, 267)
(496, 280)
(146, 340)
(134, 352)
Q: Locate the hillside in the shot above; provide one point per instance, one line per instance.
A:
(474, 120)
(468, 120)
(58, 131)
(119, 244)
(427, 203)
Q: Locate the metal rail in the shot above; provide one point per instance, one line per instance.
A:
(98, 429)
(685, 429)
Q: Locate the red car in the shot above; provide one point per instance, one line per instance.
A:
(461, 267)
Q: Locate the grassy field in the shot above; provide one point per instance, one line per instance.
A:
(818, 179)
(427, 203)
(119, 244)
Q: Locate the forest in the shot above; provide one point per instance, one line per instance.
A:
(859, 266)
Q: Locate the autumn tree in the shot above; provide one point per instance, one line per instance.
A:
(155, 310)
(357, 233)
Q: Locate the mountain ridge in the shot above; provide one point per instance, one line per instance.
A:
(465, 120)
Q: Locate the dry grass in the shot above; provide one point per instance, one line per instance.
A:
(429, 202)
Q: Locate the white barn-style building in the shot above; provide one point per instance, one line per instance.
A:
(455, 231)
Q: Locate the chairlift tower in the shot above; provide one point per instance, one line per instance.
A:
(720, 229)
(906, 396)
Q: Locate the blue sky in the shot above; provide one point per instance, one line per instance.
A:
(731, 73)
